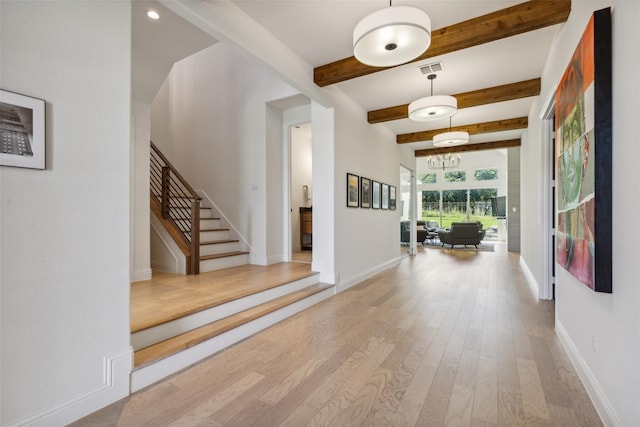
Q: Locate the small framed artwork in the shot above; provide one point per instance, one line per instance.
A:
(22, 131)
(365, 192)
(375, 201)
(385, 196)
(353, 183)
(392, 198)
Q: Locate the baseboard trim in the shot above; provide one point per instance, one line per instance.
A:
(116, 372)
(140, 275)
(531, 280)
(354, 280)
(598, 397)
(275, 259)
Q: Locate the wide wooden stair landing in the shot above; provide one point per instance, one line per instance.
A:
(178, 320)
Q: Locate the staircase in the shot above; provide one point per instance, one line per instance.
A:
(217, 248)
(202, 316)
(204, 240)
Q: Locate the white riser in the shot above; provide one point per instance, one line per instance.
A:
(209, 223)
(150, 374)
(219, 248)
(167, 330)
(226, 262)
(206, 213)
(206, 236)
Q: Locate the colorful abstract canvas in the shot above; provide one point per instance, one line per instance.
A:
(583, 155)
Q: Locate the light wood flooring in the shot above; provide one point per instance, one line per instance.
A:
(170, 296)
(445, 338)
(302, 256)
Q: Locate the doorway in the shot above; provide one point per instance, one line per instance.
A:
(301, 193)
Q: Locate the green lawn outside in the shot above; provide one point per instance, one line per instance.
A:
(448, 218)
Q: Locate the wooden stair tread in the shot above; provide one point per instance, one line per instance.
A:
(196, 336)
(214, 229)
(217, 242)
(168, 296)
(222, 255)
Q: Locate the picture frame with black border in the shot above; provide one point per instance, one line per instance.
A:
(22, 131)
(365, 192)
(375, 195)
(385, 196)
(392, 198)
(353, 191)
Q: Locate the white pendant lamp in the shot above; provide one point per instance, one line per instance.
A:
(392, 36)
(450, 139)
(432, 107)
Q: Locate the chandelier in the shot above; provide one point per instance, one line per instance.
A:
(432, 107)
(443, 161)
(392, 36)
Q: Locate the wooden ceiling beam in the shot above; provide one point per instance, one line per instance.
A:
(518, 19)
(469, 147)
(473, 98)
(473, 129)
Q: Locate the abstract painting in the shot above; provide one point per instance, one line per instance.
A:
(583, 156)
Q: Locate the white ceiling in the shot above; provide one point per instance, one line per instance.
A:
(320, 31)
(157, 45)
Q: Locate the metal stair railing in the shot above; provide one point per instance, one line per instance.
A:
(178, 202)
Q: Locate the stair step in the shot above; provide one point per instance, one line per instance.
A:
(219, 246)
(209, 234)
(219, 242)
(222, 255)
(163, 349)
(209, 223)
(206, 213)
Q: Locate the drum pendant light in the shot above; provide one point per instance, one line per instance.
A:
(432, 107)
(450, 139)
(392, 36)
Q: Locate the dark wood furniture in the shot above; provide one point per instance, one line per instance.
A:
(306, 229)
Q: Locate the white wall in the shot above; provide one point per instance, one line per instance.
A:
(65, 231)
(212, 121)
(469, 162)
(140, 213)
(366, 239)
(610, 367)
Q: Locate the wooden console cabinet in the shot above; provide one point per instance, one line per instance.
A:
(306, 229)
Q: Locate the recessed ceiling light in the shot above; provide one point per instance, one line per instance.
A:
(153, 14)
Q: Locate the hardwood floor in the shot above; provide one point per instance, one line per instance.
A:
(170, 296)
(444, 338)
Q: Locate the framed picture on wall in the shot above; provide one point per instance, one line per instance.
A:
(385, 196)
(22, 131)
(375, 194)
(365, 192)
(583, 117)
(392, 198)
(353, 194)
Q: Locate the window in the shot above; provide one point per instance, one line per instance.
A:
(480, 203)
(455, 176)
(427, 178)
(488, 174)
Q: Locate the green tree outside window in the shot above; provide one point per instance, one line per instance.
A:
(427, 178)
(455, 176)
(485, 174)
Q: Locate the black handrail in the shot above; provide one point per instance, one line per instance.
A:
(179, 202)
